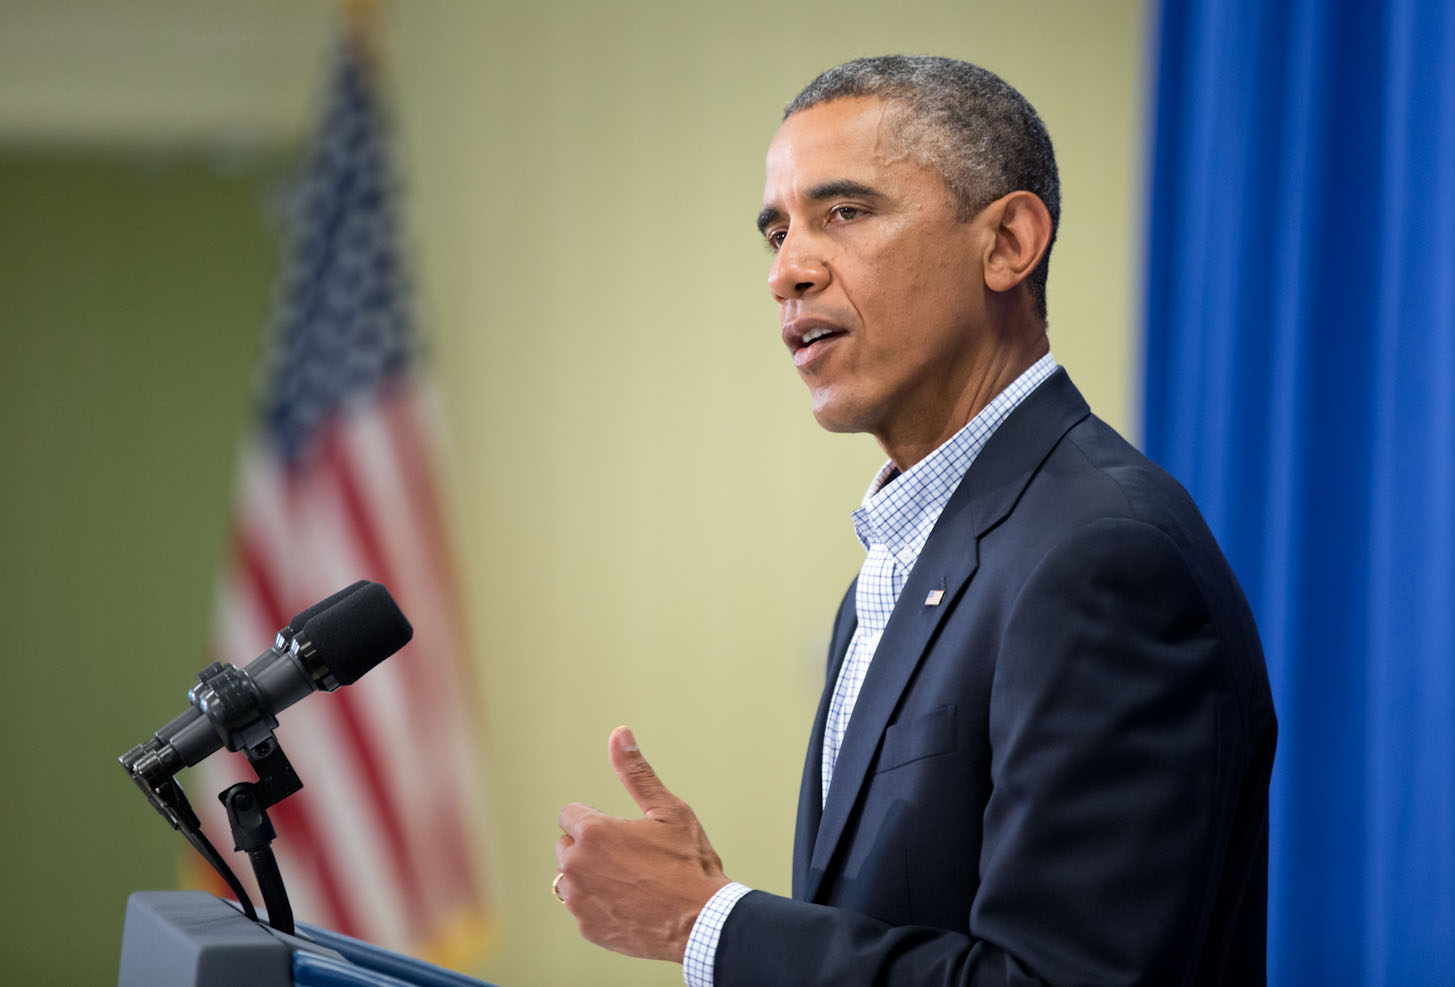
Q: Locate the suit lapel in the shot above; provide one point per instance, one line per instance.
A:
(949, 560)
(947, 563)
(810, 791)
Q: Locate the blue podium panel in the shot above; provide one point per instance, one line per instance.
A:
(192, 939)
(391, 969)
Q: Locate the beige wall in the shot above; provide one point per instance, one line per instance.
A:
(651, 528)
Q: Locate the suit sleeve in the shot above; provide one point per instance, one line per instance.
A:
(1115, 759)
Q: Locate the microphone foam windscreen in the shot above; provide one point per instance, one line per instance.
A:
(358, 632)
(304, 616)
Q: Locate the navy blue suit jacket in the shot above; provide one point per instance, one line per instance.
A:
(1058, 773)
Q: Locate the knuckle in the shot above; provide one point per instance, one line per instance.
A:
(589, 834)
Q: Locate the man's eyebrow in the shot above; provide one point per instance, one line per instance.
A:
(827, 190)
(842, 187)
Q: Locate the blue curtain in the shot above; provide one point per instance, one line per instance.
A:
(1300, 380)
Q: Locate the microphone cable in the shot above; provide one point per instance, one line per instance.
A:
(182, 816)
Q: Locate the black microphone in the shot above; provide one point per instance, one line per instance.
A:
(281, 642)
(330, 644)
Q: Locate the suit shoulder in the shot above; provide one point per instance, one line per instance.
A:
(1121, 481)
(1094, 476)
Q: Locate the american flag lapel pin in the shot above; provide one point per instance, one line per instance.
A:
(934, 597)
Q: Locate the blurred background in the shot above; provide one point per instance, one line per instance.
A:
(644, 524)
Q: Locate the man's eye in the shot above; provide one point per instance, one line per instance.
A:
(847, 212)
(775, 238)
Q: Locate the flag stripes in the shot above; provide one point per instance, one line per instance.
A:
(408, 802)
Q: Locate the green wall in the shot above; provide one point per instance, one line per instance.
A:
(134, 293)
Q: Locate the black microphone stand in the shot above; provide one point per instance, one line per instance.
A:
(328, 645)
(247, 805)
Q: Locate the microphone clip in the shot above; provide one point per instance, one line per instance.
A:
(229, 698)
(247, 804)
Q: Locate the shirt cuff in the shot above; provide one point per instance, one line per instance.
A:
(697, 962)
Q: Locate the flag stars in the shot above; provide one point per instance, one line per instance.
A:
(340, 329)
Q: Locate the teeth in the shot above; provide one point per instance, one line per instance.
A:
(813, 334)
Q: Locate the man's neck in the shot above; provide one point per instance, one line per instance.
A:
(916, 438)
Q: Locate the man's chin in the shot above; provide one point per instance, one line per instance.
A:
(832, 416)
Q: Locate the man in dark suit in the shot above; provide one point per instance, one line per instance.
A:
(1043, 750)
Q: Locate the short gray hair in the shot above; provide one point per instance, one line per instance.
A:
(963, 121)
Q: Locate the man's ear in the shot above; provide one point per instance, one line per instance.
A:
(1021, 227)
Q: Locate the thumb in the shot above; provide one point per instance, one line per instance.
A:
(637, 776)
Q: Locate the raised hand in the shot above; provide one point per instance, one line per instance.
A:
(636, 886)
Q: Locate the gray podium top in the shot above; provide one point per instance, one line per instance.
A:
(192, 939)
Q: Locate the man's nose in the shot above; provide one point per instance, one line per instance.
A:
(798, 269)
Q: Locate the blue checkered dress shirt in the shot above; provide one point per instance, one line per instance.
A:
(893, 523)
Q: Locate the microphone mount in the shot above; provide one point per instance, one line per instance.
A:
(329, 645)
(230, 700)
(247, 805)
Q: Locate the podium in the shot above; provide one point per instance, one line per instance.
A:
(193, 939)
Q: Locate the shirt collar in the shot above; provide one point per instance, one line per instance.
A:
(900, 509)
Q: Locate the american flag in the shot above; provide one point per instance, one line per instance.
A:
(337, 485)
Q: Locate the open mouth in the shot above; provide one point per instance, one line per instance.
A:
(812, 343)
